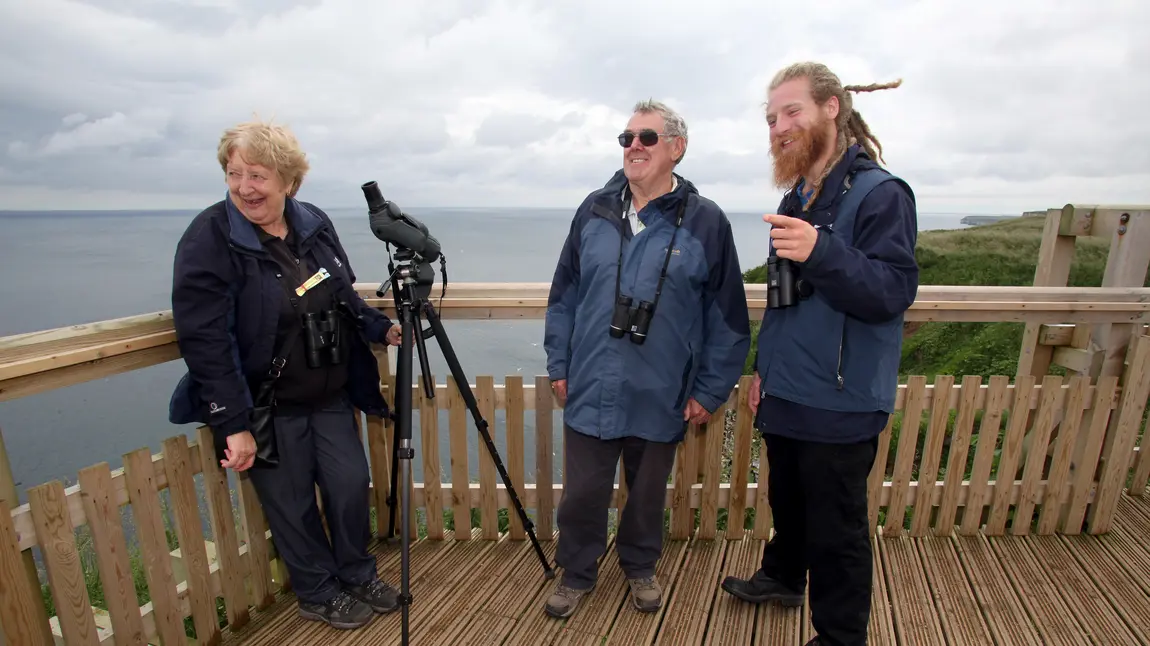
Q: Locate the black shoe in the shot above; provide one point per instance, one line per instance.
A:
(342, 611)
(377, 594)
(760, 588)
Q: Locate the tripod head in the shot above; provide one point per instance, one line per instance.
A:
(413, 273)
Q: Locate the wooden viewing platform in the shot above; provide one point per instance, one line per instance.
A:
(1018, 513)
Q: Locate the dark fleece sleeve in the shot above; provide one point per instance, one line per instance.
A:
(876, 278)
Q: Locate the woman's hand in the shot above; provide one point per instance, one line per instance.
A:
(395, 334)
(241, 451)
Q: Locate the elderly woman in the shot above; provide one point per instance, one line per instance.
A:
(276, 340)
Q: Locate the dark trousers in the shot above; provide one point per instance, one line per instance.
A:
(818, 497)
(321, 447)
(588, 479)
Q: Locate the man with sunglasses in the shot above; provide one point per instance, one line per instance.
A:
(647, 331)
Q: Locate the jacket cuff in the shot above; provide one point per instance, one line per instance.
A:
(236, 424)
(377, 329)
(708, 402)
(822, 243)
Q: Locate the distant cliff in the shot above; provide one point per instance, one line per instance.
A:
(975, 220)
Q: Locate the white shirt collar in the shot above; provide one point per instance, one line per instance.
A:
(633, 215)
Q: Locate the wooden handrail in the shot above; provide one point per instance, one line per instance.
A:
(68, 355)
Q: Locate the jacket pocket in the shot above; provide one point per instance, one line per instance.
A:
(815, 344)
(681, 401)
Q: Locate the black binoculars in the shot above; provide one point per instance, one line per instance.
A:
(784, 285)
(321, 337)
(633, 320)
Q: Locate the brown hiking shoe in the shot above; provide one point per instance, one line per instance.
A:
(646, 594)
(564, 600)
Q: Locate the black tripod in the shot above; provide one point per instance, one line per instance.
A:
(411, 282)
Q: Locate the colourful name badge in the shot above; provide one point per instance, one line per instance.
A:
(316, 278)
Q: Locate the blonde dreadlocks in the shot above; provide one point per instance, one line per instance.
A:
(849, 123)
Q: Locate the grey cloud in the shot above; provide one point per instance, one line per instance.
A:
(201, 16)
(473, 103)
(514, 130)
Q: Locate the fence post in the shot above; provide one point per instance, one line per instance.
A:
(11, 497)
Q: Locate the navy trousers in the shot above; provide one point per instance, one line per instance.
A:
(818, 497)
(319, 447)
(588, 479)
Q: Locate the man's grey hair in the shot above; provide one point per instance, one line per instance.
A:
(674, 124)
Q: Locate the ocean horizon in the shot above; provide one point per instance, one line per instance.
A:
(69, 267)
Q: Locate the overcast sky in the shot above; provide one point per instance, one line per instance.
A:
(1005, 105)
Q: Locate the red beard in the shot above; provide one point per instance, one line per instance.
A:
(806, 146)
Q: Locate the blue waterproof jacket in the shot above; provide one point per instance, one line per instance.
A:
(226, 303)
(699, 335)
(839, 350)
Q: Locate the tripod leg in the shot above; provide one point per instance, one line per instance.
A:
(392, 498)
(404, 453)
(481, 424)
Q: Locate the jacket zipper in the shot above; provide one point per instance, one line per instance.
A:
(839, 368)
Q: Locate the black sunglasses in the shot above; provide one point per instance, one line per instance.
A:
(647, 137)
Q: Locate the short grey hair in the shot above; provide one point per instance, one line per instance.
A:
(674, 124)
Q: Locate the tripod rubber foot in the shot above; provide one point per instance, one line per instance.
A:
(549, 574)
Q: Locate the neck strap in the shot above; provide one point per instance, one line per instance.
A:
(666, 260)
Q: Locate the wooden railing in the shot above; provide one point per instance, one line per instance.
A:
(40, 361)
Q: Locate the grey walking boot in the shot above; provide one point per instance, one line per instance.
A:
(564, 600)
(342, 611)
(646, 594)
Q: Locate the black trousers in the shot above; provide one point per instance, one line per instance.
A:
(321, 447)
(588, 479)
(818, 497)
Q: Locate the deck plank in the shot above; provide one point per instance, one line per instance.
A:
(694, 591)
(1088, 604)
(597, 610)
(452, 576)
(1004, 612)
(454, 614)
(880, 629)
(732, 619)
(1129, 549)
(1045, 606)
(915, 619)
(1121, 590)
(632, 627)
(955, 590)
(962, 621)
(776, 625)
(533, 626)
(1135, 513)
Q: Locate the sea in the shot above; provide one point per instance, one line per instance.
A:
(63, 268)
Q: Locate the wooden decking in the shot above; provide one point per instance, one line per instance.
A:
(1037, 590)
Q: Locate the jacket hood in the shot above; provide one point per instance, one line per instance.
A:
(854, 160)
(615, 186)
(241, 231)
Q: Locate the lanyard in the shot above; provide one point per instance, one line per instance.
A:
(666, 261)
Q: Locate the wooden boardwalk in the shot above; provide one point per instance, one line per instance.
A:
(1035, 590)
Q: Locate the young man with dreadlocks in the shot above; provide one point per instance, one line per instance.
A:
(826, 372)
